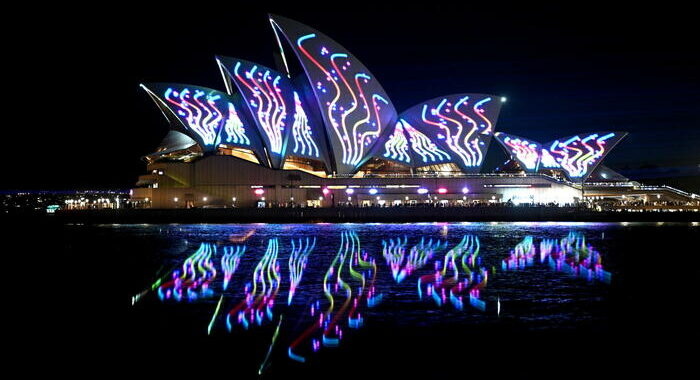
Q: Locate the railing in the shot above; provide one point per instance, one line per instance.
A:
(668, 188)
(450, 175)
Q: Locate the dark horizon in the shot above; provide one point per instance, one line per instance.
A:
(563, 71)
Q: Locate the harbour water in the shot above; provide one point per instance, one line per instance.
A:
(280, 300)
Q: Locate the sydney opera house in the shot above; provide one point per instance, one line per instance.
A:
(320, 131)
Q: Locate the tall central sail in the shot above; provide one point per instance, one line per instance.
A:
(352, 103)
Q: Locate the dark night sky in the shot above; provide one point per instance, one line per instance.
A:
(564, 71)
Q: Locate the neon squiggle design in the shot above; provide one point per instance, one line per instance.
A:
(577, 154)
(403, 265)
(347, 109)
(485, 129)
(301, 131)
(263, 95)
(467, 146)
(396, 145)
(235, 133)
(202, 115)
(525, 151)
(421, 144)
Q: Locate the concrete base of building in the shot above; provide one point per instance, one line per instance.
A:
(226, 181)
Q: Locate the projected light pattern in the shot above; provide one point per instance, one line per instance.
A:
(201, 112)
(579, 154)
(235, 133)
(526, 152)
(304, 143)
(266, 101)
(297, 263)
(396, 146)
(355, 122)
(570, 255)
(423, 146)
(261, 293)
(460, 132)
(230, 261)
(403, 265)
(441, 287)
(350, 267)
(192, 280)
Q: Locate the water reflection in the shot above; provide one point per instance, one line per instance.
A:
(193, 278)
(331, 280)
(261, 293)
(441, 284)
(570, 254)
(348, 284)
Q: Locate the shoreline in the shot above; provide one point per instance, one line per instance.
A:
(343, 215)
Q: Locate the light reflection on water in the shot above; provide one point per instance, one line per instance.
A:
(319, 282)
